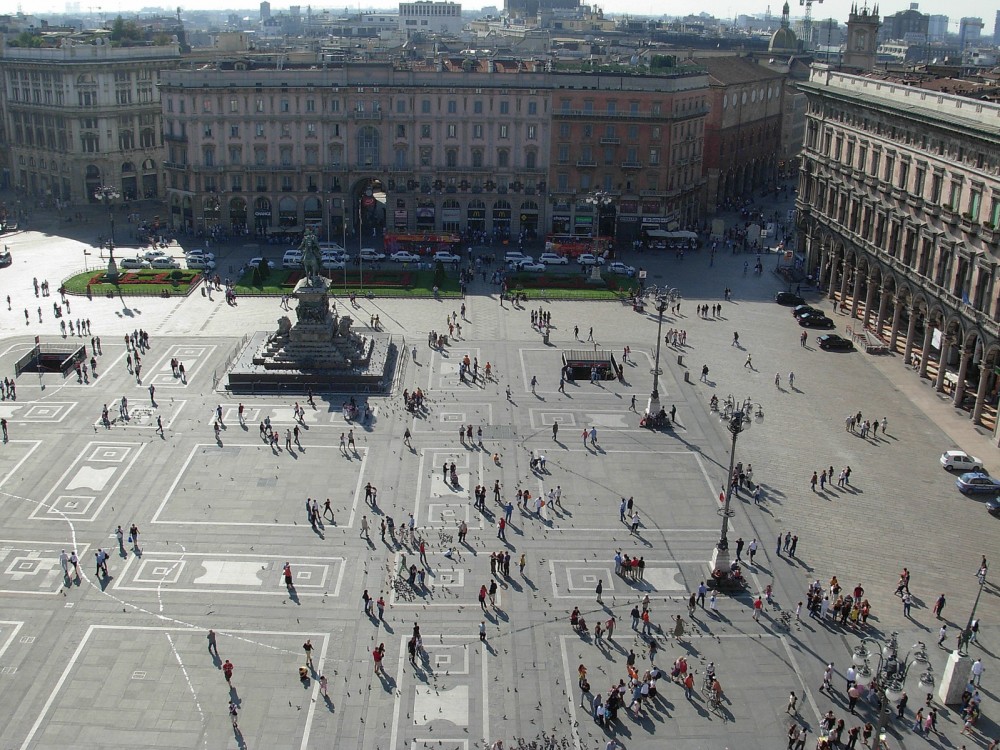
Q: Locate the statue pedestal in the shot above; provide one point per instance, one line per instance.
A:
(314, 322)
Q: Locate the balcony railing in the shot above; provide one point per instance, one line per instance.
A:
(631, 165)
(586, 163)
(610, 141)
(366, 115)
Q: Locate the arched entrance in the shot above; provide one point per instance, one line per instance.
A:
(529, 219)
(129, 185)
(368, 197)
(451, 216)
(211, 213)
(238, 216)
(261, 215)
(92, 181)
(475, 216)
(288, 214)
(150, 182)
(312, 213)
(187, 209)
(501, 219)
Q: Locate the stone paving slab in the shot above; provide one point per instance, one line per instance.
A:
(202, 568)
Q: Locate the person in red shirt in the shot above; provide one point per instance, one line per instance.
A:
(227, 671)
(377, 656)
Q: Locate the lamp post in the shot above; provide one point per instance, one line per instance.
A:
(738, 422)
(105, 194)
(890, 677)
(653, 407)
(599, 199)
(956, 671)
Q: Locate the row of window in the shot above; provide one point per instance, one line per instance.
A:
(903, 172)
(585, 155)
(909, 134)
(401, 105)
(651, 182)
(477, 131)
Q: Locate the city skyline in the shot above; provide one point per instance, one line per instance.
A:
(837, 9)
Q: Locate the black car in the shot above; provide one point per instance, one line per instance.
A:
(835, 343)
(818, 320)
(787, 298)
(993, 507)
(5, 259)
(800, 310)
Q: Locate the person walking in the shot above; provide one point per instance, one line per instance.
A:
(813, 481)
(234, 715)
(939, 606)
(793, 702)
(555, 430)
(227, 671)
(308, 648)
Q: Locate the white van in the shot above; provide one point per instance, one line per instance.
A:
(292, 259)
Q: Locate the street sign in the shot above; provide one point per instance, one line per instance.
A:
(642, 274)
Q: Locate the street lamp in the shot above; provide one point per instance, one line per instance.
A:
(105, 194)
(653, 407)
(956, 671)
(599, 199)
(889, 679)
(738, 422)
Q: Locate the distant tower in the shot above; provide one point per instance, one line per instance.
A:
(862, 39)
(969, 30)
(996, 29)
(265, 10)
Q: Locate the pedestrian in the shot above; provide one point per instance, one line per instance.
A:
(482, 631)
(234, 715)
(599, 590)
(213, 647)
(752, 548)
(942, 634)
(939, 606)
(555, 430)
(308, 648)
(977, 672)
(324, 686)
(813, 481)
(227, 671)
(749, 363)
(792, 704)
(364, 527)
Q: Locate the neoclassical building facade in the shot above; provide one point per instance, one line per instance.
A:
(482, 146)
(82, 116)
(899, 212)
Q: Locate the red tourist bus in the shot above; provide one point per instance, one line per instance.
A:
(422, 243)
(573, 245)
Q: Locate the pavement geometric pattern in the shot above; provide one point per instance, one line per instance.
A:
(124, 659)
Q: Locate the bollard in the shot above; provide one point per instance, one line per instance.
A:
(687, 376)
(680, 360)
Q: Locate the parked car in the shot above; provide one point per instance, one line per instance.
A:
(256, 262)
(5, 258)
(334, 265)
(164, 263)
(445, 257)
(553, 258)
(199, 264)
(514, 256)
(402, 256)
(589, 259)
(974, 483)
(150, 255)
(831, 342)
(816, 321)
(370, 255)
(199, 254)
(292, 259)
(993, 507)
(787, 298)
(531, 266)
(799, 310)
(961, 461)
(133, 264)
(622, 269)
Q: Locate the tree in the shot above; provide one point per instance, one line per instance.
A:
(26, 39)
(439, 274)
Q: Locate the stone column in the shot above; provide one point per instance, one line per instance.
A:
(963, 369)
(977, 410)
(832, 292)
(911, 333)
(926, 350)
(844, 275)
(897, 318)
(856, 290)
(942, 359)
(869, 298)
(883, 304)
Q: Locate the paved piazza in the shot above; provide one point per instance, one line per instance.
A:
(124, 662)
